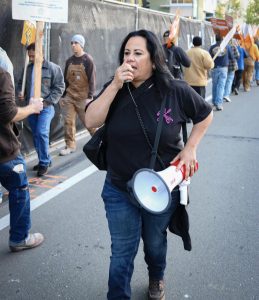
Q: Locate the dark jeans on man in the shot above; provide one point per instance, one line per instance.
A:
(13, 178)
(127, 224)
(201, 90)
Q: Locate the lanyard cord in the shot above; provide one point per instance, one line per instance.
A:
(158, 131)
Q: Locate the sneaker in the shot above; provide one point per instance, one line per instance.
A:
(42, 170)
(227, 99)
(36, 167)
(156, 290)
(67, 151)
(33, 240)
(219, 107)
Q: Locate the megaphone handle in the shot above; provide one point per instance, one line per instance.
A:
(183, 194)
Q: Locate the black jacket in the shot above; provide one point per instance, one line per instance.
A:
(176, 57)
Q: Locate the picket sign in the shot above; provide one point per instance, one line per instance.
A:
(225, 41)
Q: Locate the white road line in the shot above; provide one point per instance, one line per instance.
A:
(44, 198)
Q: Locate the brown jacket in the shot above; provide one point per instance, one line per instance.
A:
(9, 144)
(201, 62)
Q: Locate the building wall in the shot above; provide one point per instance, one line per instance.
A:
(155, 4)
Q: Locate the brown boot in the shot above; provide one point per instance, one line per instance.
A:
(156, 290)
(33, 240)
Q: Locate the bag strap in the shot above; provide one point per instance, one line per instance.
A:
(157, 138)
(158, 131)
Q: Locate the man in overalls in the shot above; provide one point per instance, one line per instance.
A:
(80, 87)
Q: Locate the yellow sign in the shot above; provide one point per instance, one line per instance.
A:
(28, 33)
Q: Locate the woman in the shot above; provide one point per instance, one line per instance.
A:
(143, 64)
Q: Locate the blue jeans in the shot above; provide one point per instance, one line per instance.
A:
(16, 183)
(127, 223)
(257, 70)
(228, 85)
(40, 127)
(219, 77)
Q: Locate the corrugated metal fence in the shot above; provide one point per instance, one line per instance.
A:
(104, 24)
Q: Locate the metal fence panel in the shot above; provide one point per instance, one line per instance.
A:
(104, 25)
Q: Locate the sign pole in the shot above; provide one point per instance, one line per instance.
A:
(38, 59)
(24, 73)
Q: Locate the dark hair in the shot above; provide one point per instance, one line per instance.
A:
(163, 77)
(197, 41)
(31, 47)
(218, 38)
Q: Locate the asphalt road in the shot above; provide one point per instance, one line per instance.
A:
(73, 261)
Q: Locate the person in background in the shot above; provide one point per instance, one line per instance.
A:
(253, 56)
(80, 81)
(232, 67)
(256, 71)
(240, 69)
(13, 168)
(201, 62)
(176, 57)
(143, 76)
(52, 88)
(220, 71)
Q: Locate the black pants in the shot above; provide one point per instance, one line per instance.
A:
(201, 90)
(237, 80)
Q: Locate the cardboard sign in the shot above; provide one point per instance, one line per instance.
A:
(28, 33)
(53, 11)
(219, 26)
(229, 21)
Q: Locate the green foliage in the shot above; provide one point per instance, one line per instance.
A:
(220, 10)
(234, 9)
(252, 12)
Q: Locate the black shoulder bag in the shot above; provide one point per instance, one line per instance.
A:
(95, 149)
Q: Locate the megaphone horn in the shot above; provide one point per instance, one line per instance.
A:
(152, 190)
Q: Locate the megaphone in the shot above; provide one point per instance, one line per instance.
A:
(152, 190)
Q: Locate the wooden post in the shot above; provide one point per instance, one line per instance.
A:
(38, 59)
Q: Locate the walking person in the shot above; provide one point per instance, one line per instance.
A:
(142, 62)
(253, 56)
(201, 62)
(240, 69)
(13, 168)
(256, 71)
(52, 88)
(6, 64)
(232, 67)
(219, 73)
(80, 80)
(176, 57)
